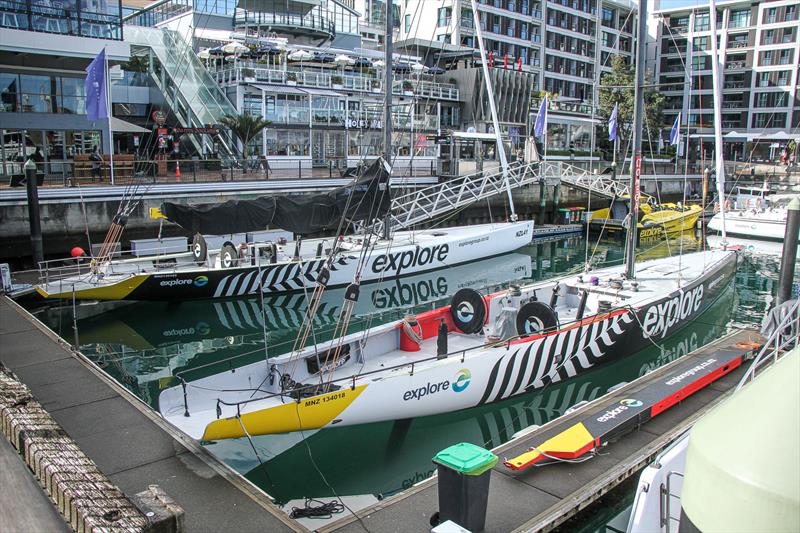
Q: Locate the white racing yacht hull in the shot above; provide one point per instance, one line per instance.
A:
(390, 377)
(758, 226)
(405, 254)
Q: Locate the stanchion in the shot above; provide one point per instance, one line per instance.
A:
(789, 258)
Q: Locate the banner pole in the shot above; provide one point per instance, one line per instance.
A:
(108, 110)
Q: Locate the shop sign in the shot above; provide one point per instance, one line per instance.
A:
(207, 131)
(363, 124)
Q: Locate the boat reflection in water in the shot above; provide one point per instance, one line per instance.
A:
(384, 458)
(145, 344)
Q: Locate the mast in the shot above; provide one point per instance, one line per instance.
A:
(715, 79)
(638, 119)
(387, 111)
(490, 94)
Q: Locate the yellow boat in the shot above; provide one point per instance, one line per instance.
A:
(658, 220)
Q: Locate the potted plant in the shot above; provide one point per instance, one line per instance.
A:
(376, 86)
(249, 74)
(408, 88)
(336, 80)
(291, 78)
(452, 81)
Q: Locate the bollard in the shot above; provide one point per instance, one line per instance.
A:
(299, 169)
(789, 257)
(464, 472)
(33, 212)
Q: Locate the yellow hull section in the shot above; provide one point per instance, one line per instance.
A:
(112, 291)
(309, 413)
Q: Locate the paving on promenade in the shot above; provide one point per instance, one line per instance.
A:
(540, 499)
(127, 441)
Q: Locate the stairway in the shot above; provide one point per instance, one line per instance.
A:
(189, 90)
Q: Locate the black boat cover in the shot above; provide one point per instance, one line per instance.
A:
(365, 200)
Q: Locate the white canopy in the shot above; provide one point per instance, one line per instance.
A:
(300, 55)
(234, 47)
(343, 59)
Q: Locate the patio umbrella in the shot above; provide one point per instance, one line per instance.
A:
(436, 70)
(418, 67)
(379, 63)
(344, 60)
(234, 47)
(300, 55)
(203, 54)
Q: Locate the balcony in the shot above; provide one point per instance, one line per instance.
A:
(735, 65)
(248, 71)
(734, 85)
(310, 24)
(738, 44)
(76, 21)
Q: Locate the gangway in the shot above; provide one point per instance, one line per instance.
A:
(188, 88)
(601, 185)
(428, 203)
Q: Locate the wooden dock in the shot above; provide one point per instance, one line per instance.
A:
(543, 497)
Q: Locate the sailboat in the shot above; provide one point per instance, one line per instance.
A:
(477, 350)
(373, 253)
(755, 215)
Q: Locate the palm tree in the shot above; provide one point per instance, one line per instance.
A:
(245, 127)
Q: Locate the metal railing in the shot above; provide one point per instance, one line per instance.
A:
(783, 339)
(49, 19)
(428, 203)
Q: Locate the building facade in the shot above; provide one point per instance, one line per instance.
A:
(759, 52)
(558, 46)
(44, 50)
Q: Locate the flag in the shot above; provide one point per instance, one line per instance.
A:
(540, 127)
(505, 61)
(491, 59)
(675, 133)
(95, 86)
(612, 124)
(519, 63)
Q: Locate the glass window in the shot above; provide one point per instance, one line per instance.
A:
(287, 142)
(739, 18)
(9, 92)
(770, 15)
(408, 23)
(73, 97)
(701, 22)
(36, 93)
(444, 15)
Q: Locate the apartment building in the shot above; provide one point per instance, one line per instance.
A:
(561, 46)
(760, 51)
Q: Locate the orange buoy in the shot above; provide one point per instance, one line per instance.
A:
(77, 251)
(178, 170)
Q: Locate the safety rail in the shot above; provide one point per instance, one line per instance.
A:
(782, 339)
(599, 184)
(55, 270)
(425, 204)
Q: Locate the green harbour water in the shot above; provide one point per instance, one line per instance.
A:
(145, 345)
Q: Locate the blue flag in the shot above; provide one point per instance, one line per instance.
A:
(612, 124)
(540, 127)
(95, 86)
(675, 134)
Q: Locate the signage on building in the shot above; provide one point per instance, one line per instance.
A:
(363, 124)
(207, 130)
(159, 117)
(162, 131)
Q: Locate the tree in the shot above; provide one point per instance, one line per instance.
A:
(245, 127)
(617, 87)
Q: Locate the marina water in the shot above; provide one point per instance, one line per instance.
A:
(144, 345)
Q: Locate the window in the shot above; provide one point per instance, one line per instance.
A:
(445, 14)
(408, 23)
(701, 22)
(788, 35)
(791, 13)
(700, 43)
(783, 78)
(770, 15)
(608, 17)
(739, 18)
(443, 38)
(768, 37)
(785, 57)
(762, 120)
(766, 58)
